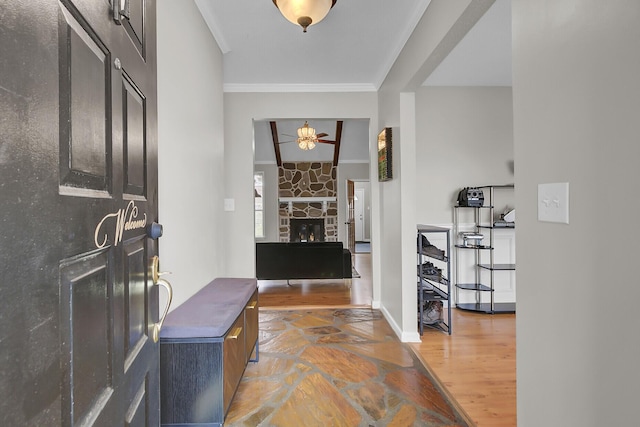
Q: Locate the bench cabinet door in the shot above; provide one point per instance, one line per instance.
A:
(233, 359)
(251, 325)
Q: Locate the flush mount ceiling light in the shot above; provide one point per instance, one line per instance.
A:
(304, 12)
(307, 137)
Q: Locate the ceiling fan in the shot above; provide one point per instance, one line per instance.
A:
(307, 137)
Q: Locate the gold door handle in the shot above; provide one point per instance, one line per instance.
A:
(158, 326)
(252, 305)
(164, 283)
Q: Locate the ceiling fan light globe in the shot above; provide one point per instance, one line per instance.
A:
(301, 12)
(306, 132)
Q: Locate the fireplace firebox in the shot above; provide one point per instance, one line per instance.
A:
(306, 230)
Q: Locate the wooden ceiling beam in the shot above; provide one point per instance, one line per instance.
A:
(276, 143)
(336, 146)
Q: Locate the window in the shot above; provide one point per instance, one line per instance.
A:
(258, 179)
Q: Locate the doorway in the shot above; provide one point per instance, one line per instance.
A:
(362, 216)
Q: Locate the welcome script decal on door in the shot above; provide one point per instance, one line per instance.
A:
(125, 219)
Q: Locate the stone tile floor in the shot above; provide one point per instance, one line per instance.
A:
(336, 367)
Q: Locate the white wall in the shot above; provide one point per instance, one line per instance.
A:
(190, 145)
(240, 111)
(442, 26)
(576, 107)
(465, 138)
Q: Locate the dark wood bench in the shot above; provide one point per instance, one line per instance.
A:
(302, 260)
(205, 345)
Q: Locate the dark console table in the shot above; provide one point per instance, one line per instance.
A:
(205, 344)
(302, 260)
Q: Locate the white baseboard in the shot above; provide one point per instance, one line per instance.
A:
(403, 336)
(410, 337)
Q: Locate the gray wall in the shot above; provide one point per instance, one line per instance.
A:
(576, 107)
(190, 148)
(241, 109)
(192, 157)
(465, 138)
(439, 30)
(576, 101)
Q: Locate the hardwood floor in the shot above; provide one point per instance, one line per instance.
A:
(477, 363)
(354, 292)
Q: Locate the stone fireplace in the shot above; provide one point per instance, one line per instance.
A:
(307, 190)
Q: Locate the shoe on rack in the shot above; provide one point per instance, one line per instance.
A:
(425, 286)
(425, 241)
(429, 249)
(429, 271)
(434, 252)
(432, 313)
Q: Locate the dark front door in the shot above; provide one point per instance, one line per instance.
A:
(78, 187)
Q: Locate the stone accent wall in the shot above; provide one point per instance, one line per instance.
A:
(308, 179)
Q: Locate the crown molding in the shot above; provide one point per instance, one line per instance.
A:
(210, 19)
(302, 87)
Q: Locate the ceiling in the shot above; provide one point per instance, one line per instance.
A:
(351, 50)
(483, 56)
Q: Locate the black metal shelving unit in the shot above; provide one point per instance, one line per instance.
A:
(434, 288)
(486, 227)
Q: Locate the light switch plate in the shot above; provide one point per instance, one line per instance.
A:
(553, 202)
(229, 205)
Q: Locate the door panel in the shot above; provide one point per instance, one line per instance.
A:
(134, 143)
(85, 149)
(78, 167)
(135, 25)
(138, 412)
(351, 234)
(359, 214)
(86, 336)
(135, 297)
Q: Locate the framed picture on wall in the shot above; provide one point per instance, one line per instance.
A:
(384, 155)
